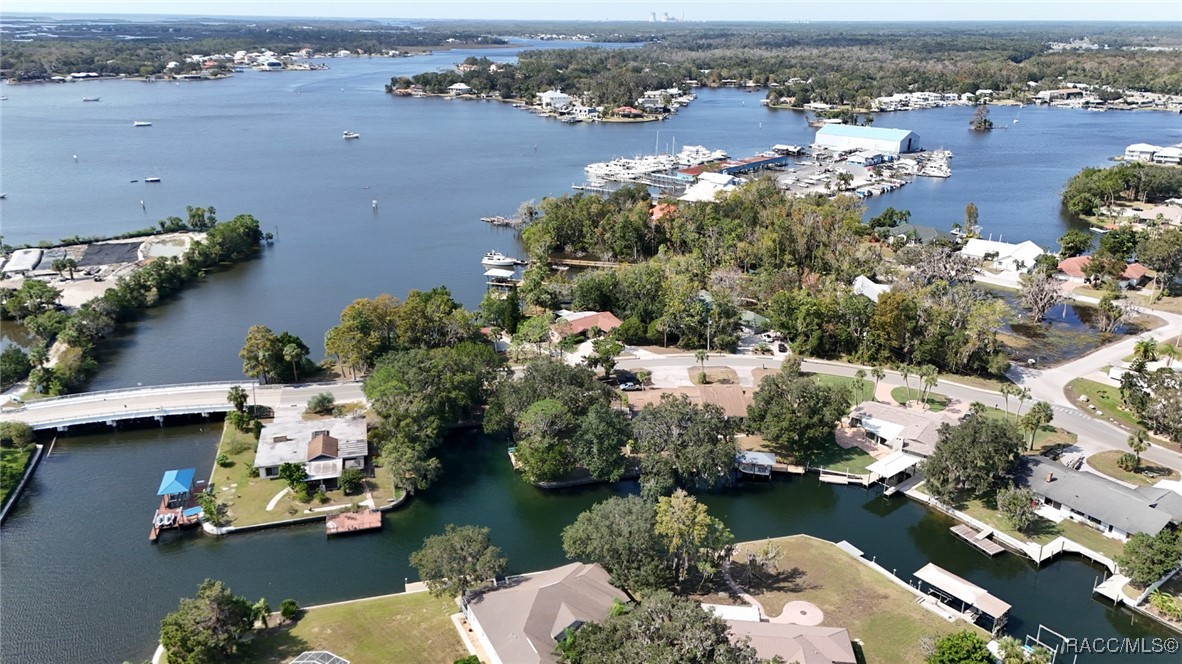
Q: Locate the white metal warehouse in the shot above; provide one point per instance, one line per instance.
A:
(875, 139)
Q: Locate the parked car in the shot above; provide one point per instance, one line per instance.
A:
(782, 348)
(631, 387)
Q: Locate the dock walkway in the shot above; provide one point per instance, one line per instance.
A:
(978, 539)
(351, 522)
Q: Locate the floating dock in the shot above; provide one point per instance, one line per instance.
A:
(353, 522)
(978, 539)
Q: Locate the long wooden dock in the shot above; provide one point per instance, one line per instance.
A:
(978, 539)
(352, 522)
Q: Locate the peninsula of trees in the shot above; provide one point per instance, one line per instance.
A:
(798, 64)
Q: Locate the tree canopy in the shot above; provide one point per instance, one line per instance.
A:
(683, 444)
(459, 561)
(972, 457)
(797, 415)
(620, 534)
(206, 628)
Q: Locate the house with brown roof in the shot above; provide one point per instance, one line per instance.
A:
(523, 621)
(1075, 269)
(572, 323)
(627, 112)
(795, 644)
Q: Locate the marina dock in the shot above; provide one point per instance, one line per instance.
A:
(179, 507)
(978, 539)
(352, 522)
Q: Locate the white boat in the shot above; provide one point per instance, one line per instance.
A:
(497, 259)
(152, 179)
(348, 134)
(141, 123)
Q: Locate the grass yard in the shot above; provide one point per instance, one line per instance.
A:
(1105, 398)
(1046, 439)
(12, 467)
(247, 497)
(884, 616)
(1043, 531)
(980, 382)
(856, 396)
(411, 628)
(847, 460)
(714, 375)
(1105, 462)
(935, 402)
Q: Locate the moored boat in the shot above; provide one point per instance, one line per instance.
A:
(497, 259)
(348, 134)
(90, 99)
(141, 123)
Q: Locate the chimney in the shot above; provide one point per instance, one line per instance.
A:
(1050, 477)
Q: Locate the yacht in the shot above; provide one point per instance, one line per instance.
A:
(348, 134)
(141, 123)
(152, 179)
(497, 259)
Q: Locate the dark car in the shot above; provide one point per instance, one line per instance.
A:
(782, 348)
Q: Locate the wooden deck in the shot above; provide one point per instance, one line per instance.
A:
(980, 540)
(178, 519)
(352, 522)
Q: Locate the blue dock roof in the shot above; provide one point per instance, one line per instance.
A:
(176, 481)
(877, 133)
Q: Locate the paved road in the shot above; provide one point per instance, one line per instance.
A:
(166, 400)
(1094, 435)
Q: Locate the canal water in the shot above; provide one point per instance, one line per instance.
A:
(270, 144)
(79, 580)
(81, 583)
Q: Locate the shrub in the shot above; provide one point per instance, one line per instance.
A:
(239, 420)
(700, 379)
(223, 460)
(1166, 604)
(289, 609)
(302, 493)
(1127, 462)
(321, 404)
(321, 496)
(351, 479)
(252, 472)
(16, 434)
(237, 445)
(470, 659)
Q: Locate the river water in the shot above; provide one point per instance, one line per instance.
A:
(80, 582)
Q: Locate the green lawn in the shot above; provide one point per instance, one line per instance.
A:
(866, 393)
(882, 615)
(1043, 531)
(1105, 462)
(246, 497)
(847, 460)
(12, 467)
(1046, 439)
(1104, 397)
(935, 402)
(412, 628)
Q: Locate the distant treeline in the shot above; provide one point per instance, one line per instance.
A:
(144, 49)
(846, 66)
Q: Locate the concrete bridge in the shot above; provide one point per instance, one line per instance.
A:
(162, 401)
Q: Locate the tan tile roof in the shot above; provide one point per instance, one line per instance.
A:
(797, 644)
(323, 444)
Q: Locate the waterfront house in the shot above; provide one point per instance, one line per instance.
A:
(909, 233)
(898, 427)
(1169, 156)
(554, 100)
(523, 621)
(708, 186)
(1141, 152)
(573, 323)
(457, 89)
(1075, 269)
(1114, 509)
(627, 112)
(324, 447)
(1004, 256)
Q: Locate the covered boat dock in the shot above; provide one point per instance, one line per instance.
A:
(973, 599)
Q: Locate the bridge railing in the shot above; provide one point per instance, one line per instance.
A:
(143, 388)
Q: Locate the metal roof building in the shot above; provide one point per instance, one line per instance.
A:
(874, 139)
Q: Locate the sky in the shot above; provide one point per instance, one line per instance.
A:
(638, 10)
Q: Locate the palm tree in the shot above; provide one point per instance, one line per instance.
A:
(1146, 349)
(859, 380)
(905, 372)
(701, 356)
(1138, 443)
(1023, 396)
(70, 265)
(39, 355)
(1011, 651)
(1008, 390)
(293, 353)
(930, 376)
(259, 611)
(237, 396)
(878, 374)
